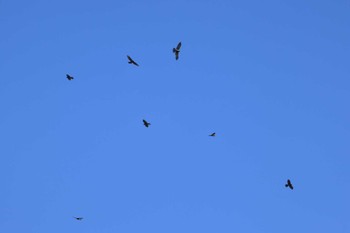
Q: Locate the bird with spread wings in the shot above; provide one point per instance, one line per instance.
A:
(69, 77)
(177, 50)
(146, 123)
(131, 61)
(289, 184)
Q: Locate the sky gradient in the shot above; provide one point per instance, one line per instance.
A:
(271, 78)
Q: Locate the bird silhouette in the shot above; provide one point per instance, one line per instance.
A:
(212, 135)
(69, 77)
(132, 61)
(177, 50)
(78, 218)
(146, 123)
(289, 184)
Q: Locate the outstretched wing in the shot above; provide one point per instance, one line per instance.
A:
(176, 55)
(178, 46)
(131, 61)
(291, 186)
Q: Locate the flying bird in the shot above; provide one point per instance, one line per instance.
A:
(69, 77)
(146, 123)
(78, 218)
(212, 135)
(132, 61)
(177, 50)
(289, 184)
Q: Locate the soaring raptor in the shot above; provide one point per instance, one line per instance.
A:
(69, 77)
(132, 61)
(146, 123)
(289, 184)
(177, 50)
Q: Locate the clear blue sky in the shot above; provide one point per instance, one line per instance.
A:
(271, 78)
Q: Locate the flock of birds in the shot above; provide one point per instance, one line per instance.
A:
(176, 51)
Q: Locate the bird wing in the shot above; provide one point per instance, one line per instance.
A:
(178, 46)
(289, 183)
(130, 59)
(176, 55)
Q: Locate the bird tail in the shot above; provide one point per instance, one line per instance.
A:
(286, 185)
(174, 50)
(129, 62)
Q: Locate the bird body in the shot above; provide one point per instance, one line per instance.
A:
(177, 50)
(212, 135)
(131, 61)
(146, 123)
(78, 218)
(289, 184)
(69, 77)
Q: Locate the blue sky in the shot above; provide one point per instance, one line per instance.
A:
(271, 78)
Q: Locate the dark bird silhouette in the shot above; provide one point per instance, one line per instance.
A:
(132, 61)
(78, 218)
(177, 50)
(212, 135)
(289, 184)
(146, 123)
(69, 77)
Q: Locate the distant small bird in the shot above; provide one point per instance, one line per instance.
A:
(132, 61)
(212, 135)
(289, 184)
(69, 77)
(177, 50)
(78, 218)
(146, 123)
